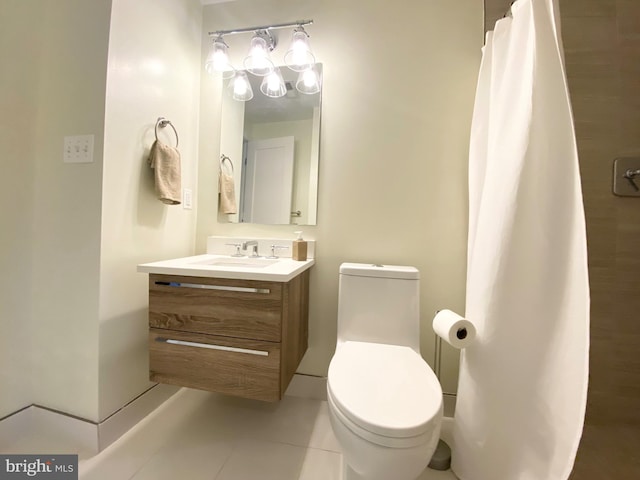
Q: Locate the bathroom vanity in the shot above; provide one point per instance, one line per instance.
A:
(228, 325)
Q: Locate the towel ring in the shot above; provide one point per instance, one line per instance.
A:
(223, 157)
(163, 122)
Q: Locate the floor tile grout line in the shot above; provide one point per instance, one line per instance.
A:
(292, 444)
(226, 460)
(234, 446)
(272, 442)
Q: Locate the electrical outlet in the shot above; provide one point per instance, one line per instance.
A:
(78, 149)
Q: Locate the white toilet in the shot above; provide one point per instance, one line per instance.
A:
(385, 402)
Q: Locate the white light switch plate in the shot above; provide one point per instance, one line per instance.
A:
(78, 149)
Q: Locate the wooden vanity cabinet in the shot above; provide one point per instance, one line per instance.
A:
(238, 337)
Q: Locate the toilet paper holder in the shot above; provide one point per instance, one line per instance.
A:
(438, 353)
(441, 459)
(461, 334)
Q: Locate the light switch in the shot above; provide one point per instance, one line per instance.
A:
(78, 149)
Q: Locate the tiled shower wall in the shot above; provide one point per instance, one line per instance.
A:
(602, 53)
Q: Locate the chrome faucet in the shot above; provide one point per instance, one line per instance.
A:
(251, 243)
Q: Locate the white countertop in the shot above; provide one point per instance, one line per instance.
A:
(226, 266)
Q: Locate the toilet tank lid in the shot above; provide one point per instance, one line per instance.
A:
(380, 271)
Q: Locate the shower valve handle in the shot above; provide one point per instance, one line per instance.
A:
(630, 175)
(626, 177)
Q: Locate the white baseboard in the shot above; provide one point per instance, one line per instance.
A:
(38, 430)
(113, 427)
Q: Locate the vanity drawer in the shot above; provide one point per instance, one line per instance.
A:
(216, 306)
(239, 367)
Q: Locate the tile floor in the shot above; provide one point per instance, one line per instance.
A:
(199, 435)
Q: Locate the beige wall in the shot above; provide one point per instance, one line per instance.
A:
(399, 80)
(67, 202)
(392, 172)
(55, 87)
(73, 308)
(153, 70)
(17, 132)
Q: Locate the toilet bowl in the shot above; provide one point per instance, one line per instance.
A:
(385, 402)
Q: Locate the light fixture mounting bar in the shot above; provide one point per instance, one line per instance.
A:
(262, 27)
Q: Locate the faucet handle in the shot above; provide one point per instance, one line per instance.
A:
(273, 250)
(237, 245)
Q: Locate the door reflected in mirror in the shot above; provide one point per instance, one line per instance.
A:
(274, 145)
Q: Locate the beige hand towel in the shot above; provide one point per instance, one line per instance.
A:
(165, 160)
(226, 187)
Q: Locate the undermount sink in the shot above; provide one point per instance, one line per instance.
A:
(239, 262)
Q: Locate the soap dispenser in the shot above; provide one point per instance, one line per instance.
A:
(299, 250)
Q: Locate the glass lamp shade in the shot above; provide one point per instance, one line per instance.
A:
(299, 56)
(257, 61)
(308, 81)
(218, 59)
(273, 85)
(239, 87)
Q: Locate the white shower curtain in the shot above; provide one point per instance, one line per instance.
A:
(522, 388)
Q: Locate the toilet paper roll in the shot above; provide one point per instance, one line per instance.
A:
(454, 329)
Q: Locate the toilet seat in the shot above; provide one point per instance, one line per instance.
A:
(388, 391)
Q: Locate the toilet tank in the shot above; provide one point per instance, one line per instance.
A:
(379, 304)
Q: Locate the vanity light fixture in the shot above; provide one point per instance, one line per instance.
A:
(240, 87)
(273, 84)
(308, 81)
(257, 60)
(298, 58)
(218, 58)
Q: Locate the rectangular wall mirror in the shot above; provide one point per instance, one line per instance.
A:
(273, 144)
